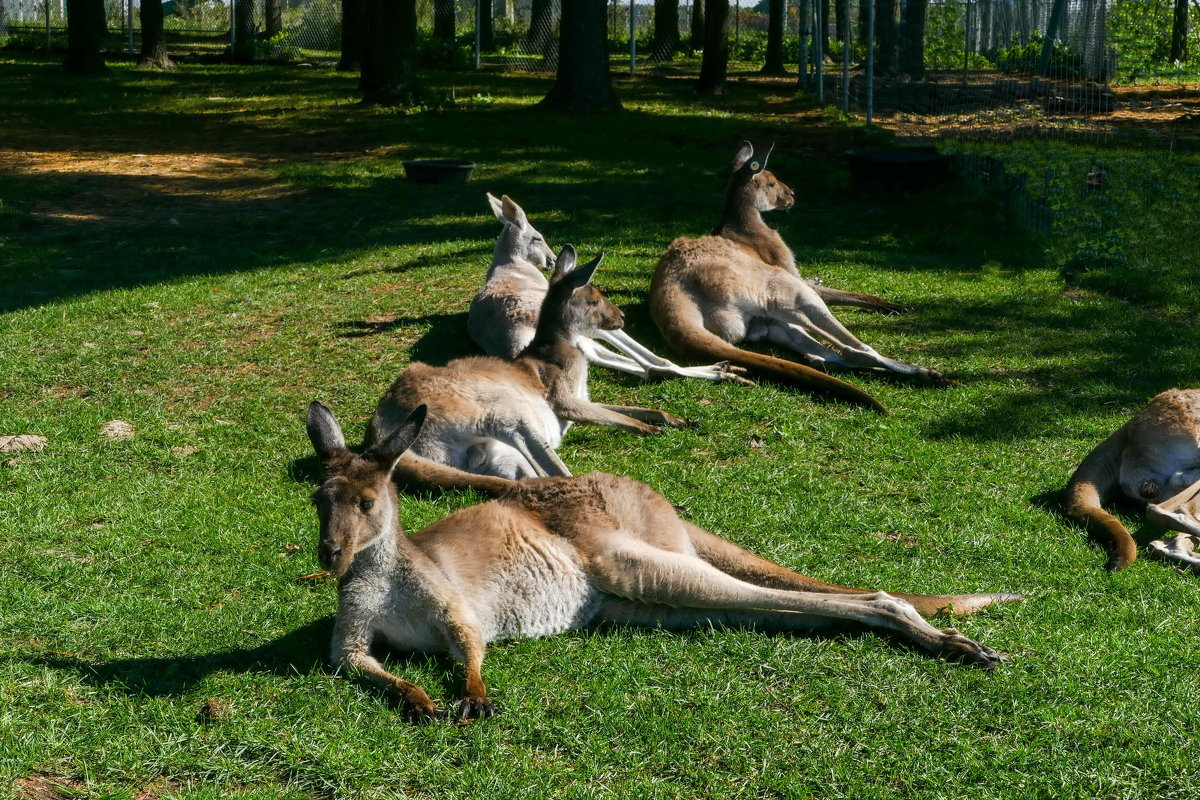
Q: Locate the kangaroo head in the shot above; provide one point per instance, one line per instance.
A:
(573, 304)
(356, 503)
(519, 239)
(755, 183)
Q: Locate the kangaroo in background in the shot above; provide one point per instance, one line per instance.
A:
(1154, 458)
(552, 555)
(503, 315)
(505, 419)
(740, 284)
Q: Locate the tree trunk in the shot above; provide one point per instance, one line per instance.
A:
(912, 50)
(352, 35)
(154, 43)
(85, 30)
(666, 30)
(582, 81)
(443, 20)
(487, 25)
(715, 64)
(696, 38)
(1179, 32)
(274, 18)
(243, 23)
(541, 27)
(389, 51)
(839, 20)
(824, 32)
(774, 62)
(886, 40)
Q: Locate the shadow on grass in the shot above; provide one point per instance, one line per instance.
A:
(301, 651)
(446, 339)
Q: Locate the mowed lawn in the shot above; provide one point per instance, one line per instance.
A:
(201, 254)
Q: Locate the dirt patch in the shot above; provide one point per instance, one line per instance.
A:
(40, 786)
(161, 188)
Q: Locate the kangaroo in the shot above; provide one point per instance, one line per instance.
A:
(556, 554)
(1153, 458)
(741, 284)
(503, 419)
(503, 315)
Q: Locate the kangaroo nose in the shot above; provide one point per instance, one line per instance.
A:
(327, 553)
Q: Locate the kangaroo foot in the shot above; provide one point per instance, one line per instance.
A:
(1181, 550)
(955, 645)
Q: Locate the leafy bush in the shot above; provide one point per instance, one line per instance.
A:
(1022, 59)
(319, 26)
(282, 46)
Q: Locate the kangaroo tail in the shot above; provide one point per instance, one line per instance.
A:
(1092, 484)
(418, 469)
(684, 330)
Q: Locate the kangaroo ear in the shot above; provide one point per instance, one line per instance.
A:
(511, 212)
(324, 431)
(385, 453)
(564, 263)
(497, 206)
(743, 155)
(582, 275)
(761, 159)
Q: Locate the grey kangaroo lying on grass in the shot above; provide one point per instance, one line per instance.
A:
(556, 554)
(740, 284)
(492, 421)
(503, 315)
(1153, 458)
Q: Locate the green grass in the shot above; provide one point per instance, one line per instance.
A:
(139, 581)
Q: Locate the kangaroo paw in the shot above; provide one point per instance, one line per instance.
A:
(475, 708)
(418, 714)
(955, 645)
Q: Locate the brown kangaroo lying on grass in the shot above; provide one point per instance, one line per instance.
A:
(1153, 458)
(556, 554)
(503, 315)
(492, 421)
(740, 284)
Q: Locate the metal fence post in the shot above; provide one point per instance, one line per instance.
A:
(49, 39)
(129, 22)
(805, 20)
(478, 20)
(847, 46)
(232, 27)
(870, 61)
(632, 38)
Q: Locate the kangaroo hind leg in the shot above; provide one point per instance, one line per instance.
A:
(634, 570)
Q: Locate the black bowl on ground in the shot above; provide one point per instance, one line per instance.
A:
(439, 170)
(897, 170)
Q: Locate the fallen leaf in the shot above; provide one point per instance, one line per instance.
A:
(183, 452)
(312, 576)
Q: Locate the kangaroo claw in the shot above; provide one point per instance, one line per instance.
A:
(475, 708)
(955, 645)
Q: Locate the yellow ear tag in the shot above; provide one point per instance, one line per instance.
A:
(754, 166)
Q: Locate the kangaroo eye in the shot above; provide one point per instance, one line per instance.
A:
(365, 505)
